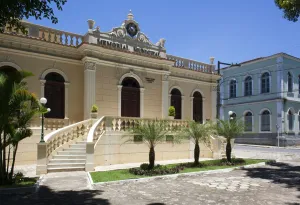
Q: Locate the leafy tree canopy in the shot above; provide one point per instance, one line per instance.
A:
(291, 9)
(13, 11)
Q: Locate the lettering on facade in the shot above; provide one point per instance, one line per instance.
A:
(125, 47)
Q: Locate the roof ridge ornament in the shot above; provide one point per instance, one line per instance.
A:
(130, 15)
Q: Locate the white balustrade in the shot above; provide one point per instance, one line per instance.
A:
(66, 135)
(49, 34)
(191, 65)
(96, 131)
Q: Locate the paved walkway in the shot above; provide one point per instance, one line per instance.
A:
(273, 184)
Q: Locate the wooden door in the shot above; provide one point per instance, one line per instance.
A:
(176, 102)
(55, 95)
(197, 109)
(130, 104)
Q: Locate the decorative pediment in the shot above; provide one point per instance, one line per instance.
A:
(127, 37)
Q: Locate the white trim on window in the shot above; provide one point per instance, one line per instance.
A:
(244, 114)
(260, 114)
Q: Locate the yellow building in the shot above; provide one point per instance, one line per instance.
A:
(120, 71)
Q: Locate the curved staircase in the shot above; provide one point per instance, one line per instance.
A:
(72, 158)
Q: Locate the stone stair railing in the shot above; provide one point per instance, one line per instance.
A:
(58, 140)
(191, 64)
(49, 34)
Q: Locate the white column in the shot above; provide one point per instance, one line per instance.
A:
(67, 100)
(280, 86)
(43, 88)
(192, 107)
(119, 99)
(165, 96)
(213, 104)
(203, 110)
(182, 107)
(89, 87)
(142, 102)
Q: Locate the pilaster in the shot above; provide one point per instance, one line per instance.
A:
(42, 88)
(89, 87)
(182, 107)
(119, 99)
(142, 102)
(67, 100)
(165, 96)
(280, 84)
(192, 107)
(41, 165)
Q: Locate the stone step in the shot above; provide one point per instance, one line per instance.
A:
(63, 161)
(71, 152)
(73, 156)
(82, 146)
(81, 142)
(59, 165)
(74, 149)
(66, 169)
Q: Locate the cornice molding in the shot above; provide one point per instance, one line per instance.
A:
(11, 51)
(182, 79)
(124, 66)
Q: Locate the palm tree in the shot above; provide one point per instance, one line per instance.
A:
(198, 133)
(17, 107)
(151, 133)
(229, 129)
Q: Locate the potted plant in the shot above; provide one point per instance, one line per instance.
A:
(171, 112)
(94, 112)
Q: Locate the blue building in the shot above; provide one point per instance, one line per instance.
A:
(264, 93)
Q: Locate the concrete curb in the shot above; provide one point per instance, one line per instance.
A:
(177, 175)
(265, 146)
(22, 190)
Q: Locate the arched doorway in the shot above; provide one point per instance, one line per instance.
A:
(197, 107)
(55, 95)
(176, 102)
(130, 98)
(9, 71)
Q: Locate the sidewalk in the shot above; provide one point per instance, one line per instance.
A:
(132, 165)
(267, 146)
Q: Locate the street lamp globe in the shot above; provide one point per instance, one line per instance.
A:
(43, 100)
(230, 113)
(48, 109)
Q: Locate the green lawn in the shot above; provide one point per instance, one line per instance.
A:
(27, 182)
(116, 175)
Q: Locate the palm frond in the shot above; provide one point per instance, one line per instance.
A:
(230, 128)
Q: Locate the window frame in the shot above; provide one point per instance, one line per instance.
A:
(265, 83)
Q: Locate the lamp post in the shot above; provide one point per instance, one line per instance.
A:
(43, 101)
(229, 114)
(277, 127)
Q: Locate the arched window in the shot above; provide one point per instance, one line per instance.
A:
(265, 83)
(130, 98)
(176, 102)
(291, 119)
(299, 84)
(55, 95)
(197, 107)
(248, 122)
(265, 121)
(248, 86)
(299, 119)
(8, 70)
(232, 89)
(290, 82)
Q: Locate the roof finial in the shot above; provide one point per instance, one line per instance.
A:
(130, 15)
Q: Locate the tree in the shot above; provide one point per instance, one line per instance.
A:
(229, 129)
(291, 9)
(198, 133)
(151, 133)
(17, 107)
(13, 11)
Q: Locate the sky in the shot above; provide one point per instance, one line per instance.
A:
(232, 31)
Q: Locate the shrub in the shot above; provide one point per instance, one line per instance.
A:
(172, 111)
(18, 177)
(157, 170)
(144, 166)
(94, 108)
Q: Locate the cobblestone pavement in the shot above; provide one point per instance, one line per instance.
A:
(278, 183)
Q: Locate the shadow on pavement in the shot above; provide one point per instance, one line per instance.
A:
(48, 196)
(279, 173)
(156, 204)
